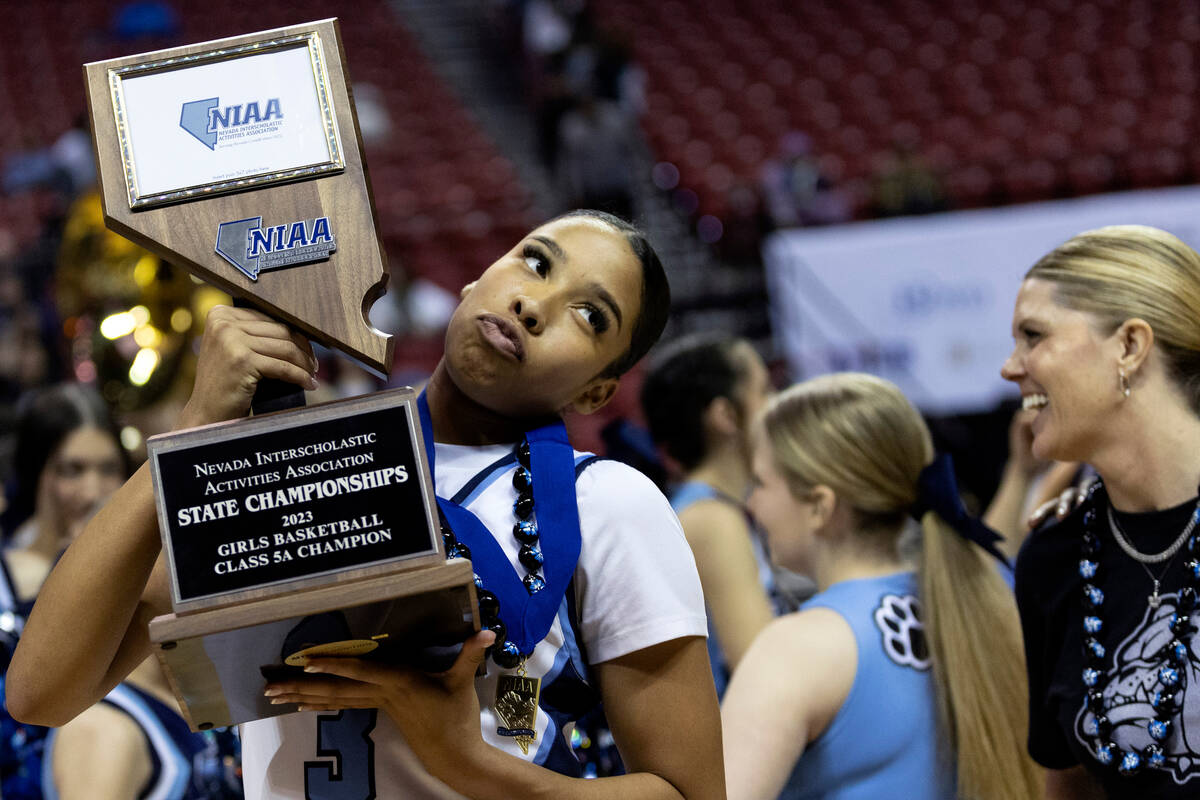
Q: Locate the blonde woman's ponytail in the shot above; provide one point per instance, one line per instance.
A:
(974, 638)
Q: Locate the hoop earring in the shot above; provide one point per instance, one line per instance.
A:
(1124, 382)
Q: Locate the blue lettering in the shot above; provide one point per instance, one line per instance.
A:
(259, 241)
(288, 237)
(233, 116)
(321, 231)
(297, 237)
(218, 119)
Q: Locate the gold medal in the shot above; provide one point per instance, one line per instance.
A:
(517, 706)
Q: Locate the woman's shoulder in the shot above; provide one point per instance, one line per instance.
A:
(817, 631)
(711, 521)
(810, 657)
(620, 506)
(611, 485)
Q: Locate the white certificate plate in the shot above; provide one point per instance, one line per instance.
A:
(225, 120)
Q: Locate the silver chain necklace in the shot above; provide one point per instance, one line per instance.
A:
(1153, 558)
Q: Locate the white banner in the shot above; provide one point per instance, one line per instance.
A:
(927, 301)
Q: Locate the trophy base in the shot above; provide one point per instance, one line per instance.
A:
(219, 661)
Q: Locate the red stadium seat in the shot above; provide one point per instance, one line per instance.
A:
(1018, 101)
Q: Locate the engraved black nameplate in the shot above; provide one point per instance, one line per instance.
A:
(286, 497)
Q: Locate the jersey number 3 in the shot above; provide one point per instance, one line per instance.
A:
(346, 736)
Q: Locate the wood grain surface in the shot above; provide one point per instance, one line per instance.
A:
(327, 300)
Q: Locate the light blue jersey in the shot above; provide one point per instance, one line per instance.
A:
(685, 495)
(883, 742)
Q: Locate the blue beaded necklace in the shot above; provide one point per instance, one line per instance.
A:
(530, 603)
(520, 611)
(504, 652)
(1173, 656)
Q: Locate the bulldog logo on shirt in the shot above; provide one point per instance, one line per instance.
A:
(1131, 683)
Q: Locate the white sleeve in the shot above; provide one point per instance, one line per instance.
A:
(636, 582)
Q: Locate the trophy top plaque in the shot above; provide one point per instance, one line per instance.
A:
(240, 160)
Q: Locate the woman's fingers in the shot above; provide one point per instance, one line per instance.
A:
(1060, 506)
(357, 670)
(356, 680)
(275, 358)
(241, 346)
(473, 653)
(1067, 501)
(266, 329)
(327, 691)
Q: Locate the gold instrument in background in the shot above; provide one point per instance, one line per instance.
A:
(129, 318)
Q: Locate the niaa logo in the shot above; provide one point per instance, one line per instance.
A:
(251, 248)
(208, 121)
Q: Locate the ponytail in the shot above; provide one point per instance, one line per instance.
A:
(974, 638)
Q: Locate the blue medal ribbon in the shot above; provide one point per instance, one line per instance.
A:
(527, 617)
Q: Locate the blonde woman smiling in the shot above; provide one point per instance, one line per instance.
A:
(1107, 330)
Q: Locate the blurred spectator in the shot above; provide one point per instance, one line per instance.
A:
(67, 460)
(596, 149)
(615, 75)
(905, 184)
(547, 29)
(71, 154)
(374, 121)
(795, 190)
(700, 398)
(29, 353)
(572, 64)
(28, 169)
(24, 359)
(746, 223)
(554, 101)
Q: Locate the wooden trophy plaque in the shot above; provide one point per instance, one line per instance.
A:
(297, 533)
(240, 160)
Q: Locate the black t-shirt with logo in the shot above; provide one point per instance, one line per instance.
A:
(1048, 587)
